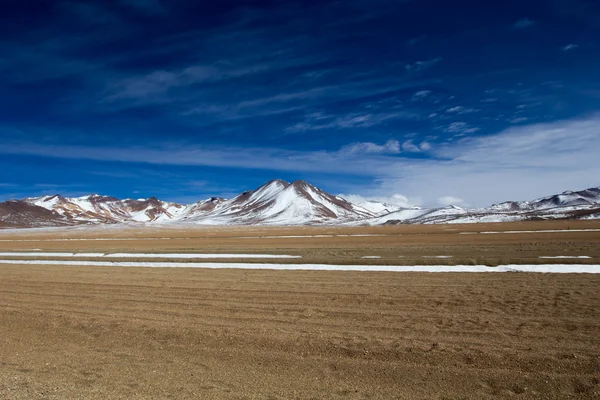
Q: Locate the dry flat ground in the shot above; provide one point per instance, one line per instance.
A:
(110, 333)
(396, 245)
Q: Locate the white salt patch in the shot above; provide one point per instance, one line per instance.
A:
(371, 257)
(578, 257)
(304, 236)
(540, 231)
(77, 239)
(365, 235)
(171, 238)
(36, 254)
(186, 255)
(557, 269)
(144, 255)
(438, 256)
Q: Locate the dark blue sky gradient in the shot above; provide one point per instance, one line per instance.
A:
(189, 99)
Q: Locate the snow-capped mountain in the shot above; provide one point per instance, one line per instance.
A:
(281, 203)
(588, 197)
(105, 209)
(275, 203)
(379, 208)
(20, 214)
(584, 204)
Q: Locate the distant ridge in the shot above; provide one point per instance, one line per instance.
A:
(278, 202)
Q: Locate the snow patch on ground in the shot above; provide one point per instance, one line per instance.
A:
(438, 256)
(77, 239)
(143, 255)
(550, 268)
(540, 231)
(308, 236)
(578, 257)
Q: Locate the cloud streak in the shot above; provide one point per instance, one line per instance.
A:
(568, 47)
(420, 66)
(525, 161)
(389, 147)
(523, 23)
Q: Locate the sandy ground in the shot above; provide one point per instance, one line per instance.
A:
(395, 245)
(98, 333)
(163, 333)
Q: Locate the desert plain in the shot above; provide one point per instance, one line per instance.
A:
(107, 332)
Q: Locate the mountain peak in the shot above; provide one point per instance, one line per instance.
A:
(278, 202)
(277, 182)
(301, 183)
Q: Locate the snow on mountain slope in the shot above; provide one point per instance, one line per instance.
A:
(585, 197)
(281, 203)
(569, 205)
(105, 209)
(379, 208)
(404, 214)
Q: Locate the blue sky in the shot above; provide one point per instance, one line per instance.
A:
(415, 102)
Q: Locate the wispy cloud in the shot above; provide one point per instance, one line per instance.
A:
(342, 161)
(570, 46)
(518, 120)
(450, 201)
(422, 65)
(396, 199)
(523, 23)
(412, 42)
(409, 146)
(421, 94)
(389, 147)
(349, 121)
(460, 127)
(461, 110)
(151, 86)
(522, 162)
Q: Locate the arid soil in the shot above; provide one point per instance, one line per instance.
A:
(121, 333)
(396, 245)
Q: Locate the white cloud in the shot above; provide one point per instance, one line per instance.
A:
(410, 147)
(523, 23)
(389, 147)
(450, 201)
(460, 127)
(569, 47)
(349, 121)
(425, 146)
(518, 120)
(520, 163)
(159, 82)
(461, 110)
(395, 199)
(420, 95)
(422, 65)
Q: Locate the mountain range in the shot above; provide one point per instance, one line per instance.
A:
(282, 203)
